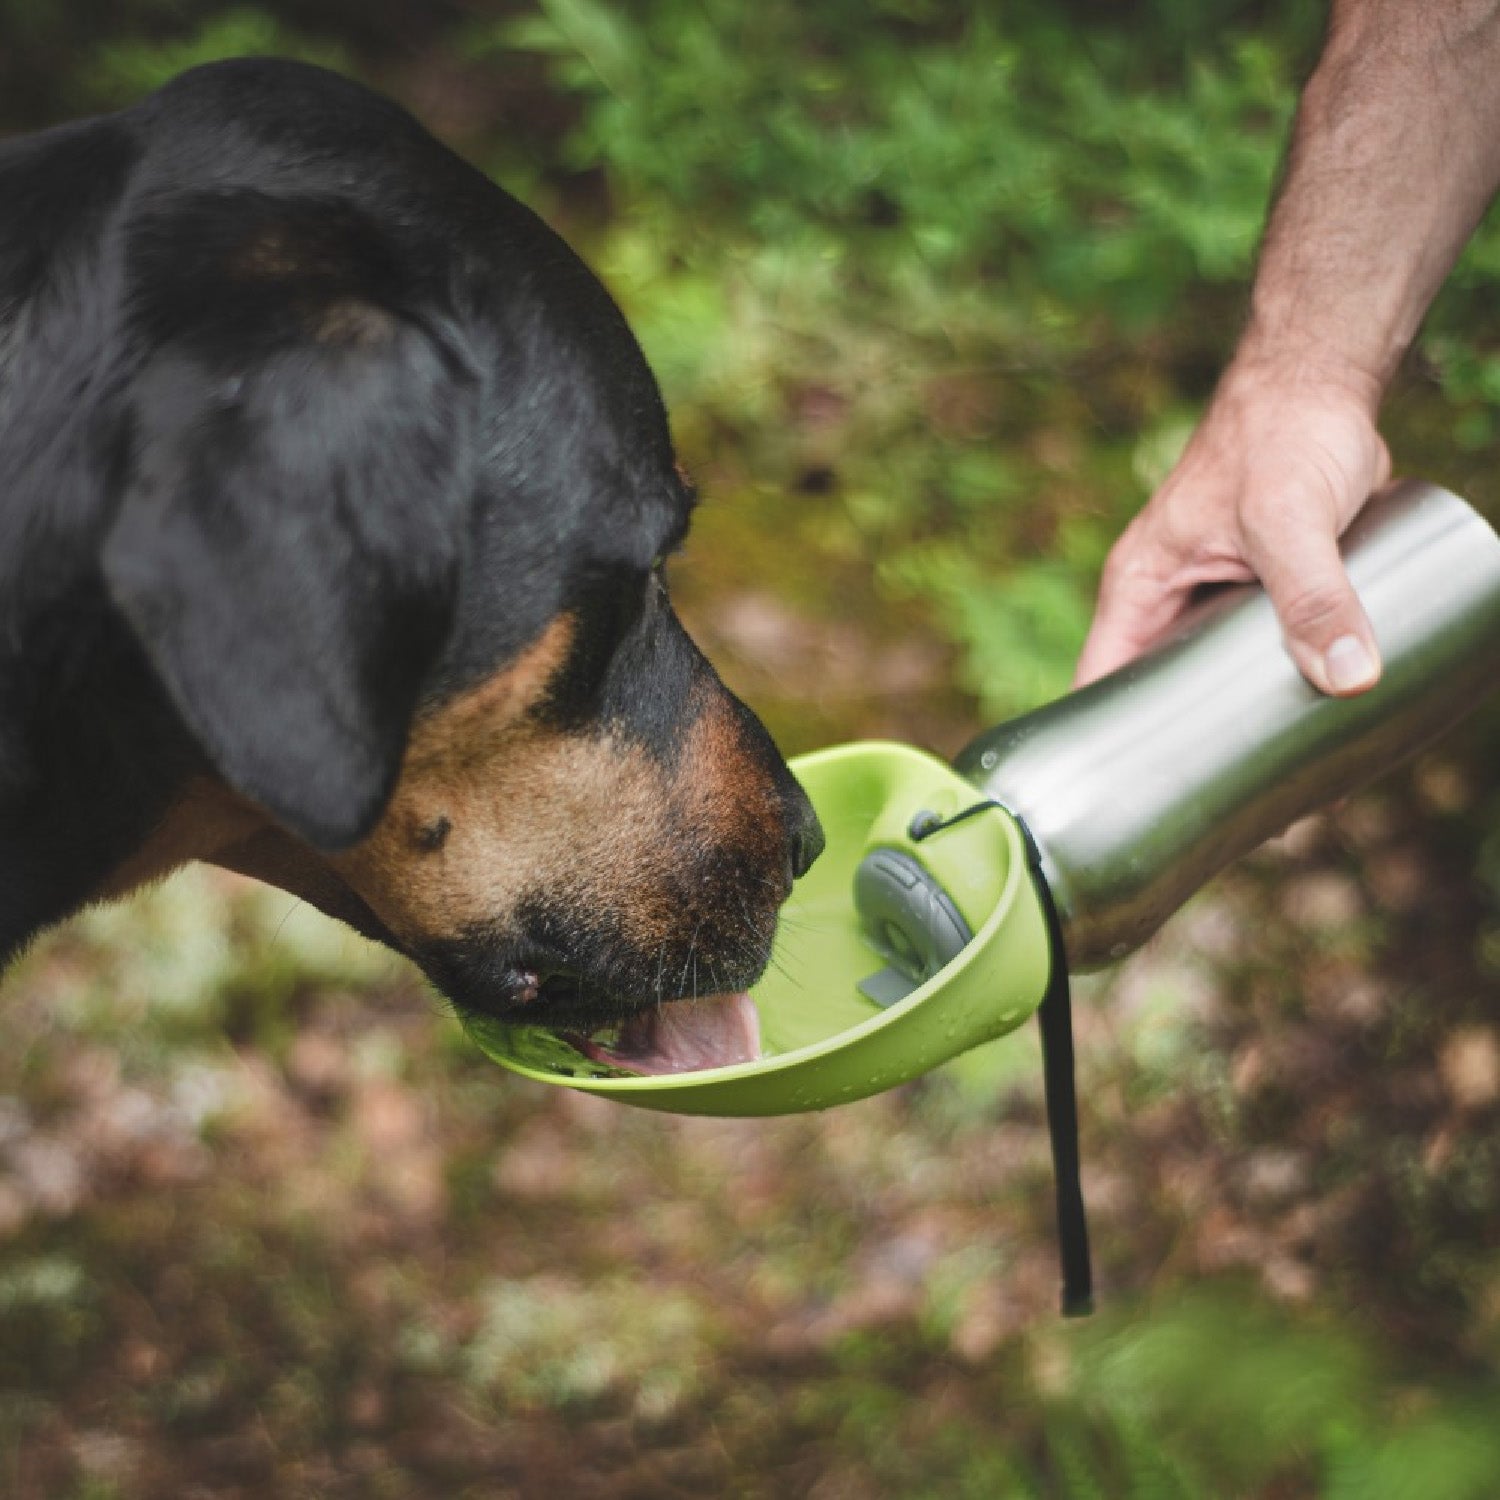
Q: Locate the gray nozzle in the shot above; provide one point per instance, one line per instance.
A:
(1140, 787)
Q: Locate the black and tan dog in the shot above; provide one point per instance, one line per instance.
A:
(334, 492)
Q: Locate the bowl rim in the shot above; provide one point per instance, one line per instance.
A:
(812, 1055)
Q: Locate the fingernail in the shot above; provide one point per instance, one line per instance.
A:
(1349, 666)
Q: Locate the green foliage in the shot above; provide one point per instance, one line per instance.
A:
(868, 201)
(1219, 1388)
(889, 206)
(122, 71)
(1022, 628)
(927, 150)
(1207, 1394)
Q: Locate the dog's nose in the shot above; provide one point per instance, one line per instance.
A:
(808, 841)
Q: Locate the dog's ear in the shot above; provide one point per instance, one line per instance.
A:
(286, 548)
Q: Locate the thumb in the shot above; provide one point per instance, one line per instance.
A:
(1325, 626)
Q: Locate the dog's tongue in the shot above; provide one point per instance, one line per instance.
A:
(684, 1036)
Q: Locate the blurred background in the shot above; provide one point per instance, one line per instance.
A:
(935, 293)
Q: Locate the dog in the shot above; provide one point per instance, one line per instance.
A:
(334, 499)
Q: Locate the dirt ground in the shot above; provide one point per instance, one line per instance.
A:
(268, 1225)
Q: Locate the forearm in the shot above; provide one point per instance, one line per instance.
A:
(1395, 155)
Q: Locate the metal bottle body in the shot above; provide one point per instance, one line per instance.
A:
(1140, 787)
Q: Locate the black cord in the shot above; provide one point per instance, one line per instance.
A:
(925, 823)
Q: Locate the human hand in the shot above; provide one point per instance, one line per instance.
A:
(1275, 472)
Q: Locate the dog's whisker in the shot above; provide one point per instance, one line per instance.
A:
(287, 917)
(688, 960)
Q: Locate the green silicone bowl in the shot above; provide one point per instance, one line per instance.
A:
(824, 1042)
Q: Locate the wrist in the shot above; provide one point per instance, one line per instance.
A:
(1281, 367)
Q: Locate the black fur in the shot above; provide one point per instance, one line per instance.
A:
(304, 424)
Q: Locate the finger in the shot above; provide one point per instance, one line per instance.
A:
(1325, 626)
(1136, 607)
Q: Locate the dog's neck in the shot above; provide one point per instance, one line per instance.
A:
(91, 769)
(204, 823)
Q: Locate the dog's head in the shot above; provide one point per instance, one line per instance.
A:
(394, 490)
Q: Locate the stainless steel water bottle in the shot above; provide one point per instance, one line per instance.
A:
(1139, 787)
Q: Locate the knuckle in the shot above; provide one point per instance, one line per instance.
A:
(1313, 610)
(1138, 561)
(1119, 567)
(1268, 522)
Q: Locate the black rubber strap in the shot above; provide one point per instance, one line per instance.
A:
(1055, 1018)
